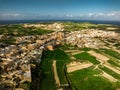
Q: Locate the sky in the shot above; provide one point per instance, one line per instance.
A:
(60, 9)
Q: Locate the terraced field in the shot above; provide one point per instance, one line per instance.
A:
(86, 70)
(103, 74)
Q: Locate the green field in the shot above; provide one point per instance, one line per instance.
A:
(10, 40)
(19, 30)
(72, 26)
(88, 57)
(111, 53)
(112, 73)
(61, 73)
(47, 75)
(12, 31)
(61, 57)
(85, 79)
(114, 63)
(46, 66)
(90, 79)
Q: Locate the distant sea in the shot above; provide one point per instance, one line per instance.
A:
(4, 22)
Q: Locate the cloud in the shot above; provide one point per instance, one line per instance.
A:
(69, 15)
(24, 16)
(9, 14)
(90, 14)
(112, 15)
(108, 15)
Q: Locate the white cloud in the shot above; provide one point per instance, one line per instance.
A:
(69, 15)
(90, 14)
(9, 14)
(112, 15)
(100, 14)
(107, 14)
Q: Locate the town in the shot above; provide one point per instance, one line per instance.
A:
(18, 57)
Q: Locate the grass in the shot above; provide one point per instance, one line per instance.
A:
(47, 82)
(117, 44)
(19, 30)
(68, 47)
(85, 49)
(114, 74)
(111, 53)
(38, 32)
(85, 80)
(113, 63)
(56, 54)
(8, 40)
(86, 56)
(72, 26)
(42, 75)
(61, 57)
(60, 70)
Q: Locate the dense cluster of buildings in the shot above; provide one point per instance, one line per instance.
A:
(16, 60)
(89, 38)
(54, 26)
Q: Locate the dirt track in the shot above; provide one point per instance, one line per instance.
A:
(76, 67)
(73, 52)
(109, 77)
(111, 68)
(101, 57)
(57, 81)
